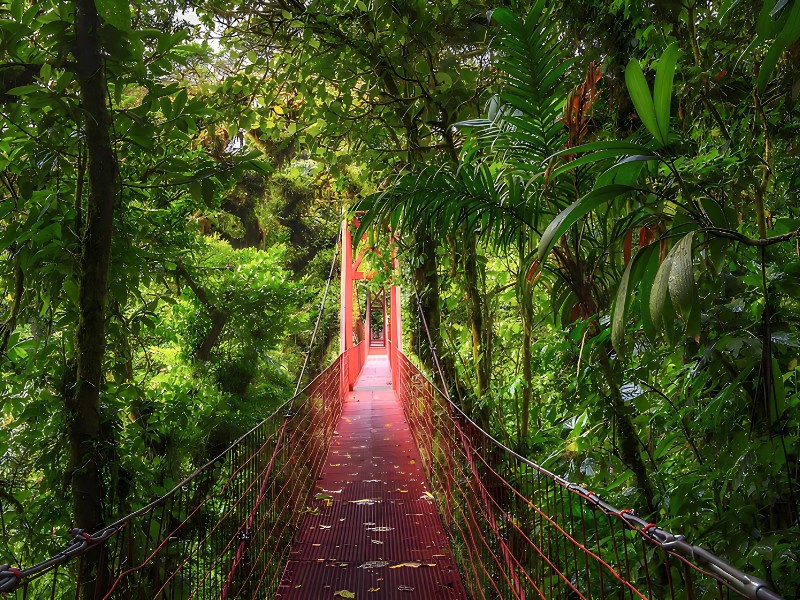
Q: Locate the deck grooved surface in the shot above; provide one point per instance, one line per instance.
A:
(370, 510)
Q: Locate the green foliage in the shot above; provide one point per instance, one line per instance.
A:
(651, 264)
(611, 239)
(183, 164)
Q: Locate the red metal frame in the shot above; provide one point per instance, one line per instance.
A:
(350, 274)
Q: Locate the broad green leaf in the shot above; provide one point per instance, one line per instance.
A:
(597, 156)
(662, 90)
(624, 172)
(681, 276)
(659, 292)
(578, 209)
(72, 291)
(6, 206)
(619, 311)
(787, 36)
(196, 189)
(642, 99)
(115, 12)
(713, 211)
(17, 9)
(649, 272)
(208, 190)
(766, 25)
(179, 103)
(768, 64)
(631, 277)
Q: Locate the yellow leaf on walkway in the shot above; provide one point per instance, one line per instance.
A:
(344, 594)
(414, 565)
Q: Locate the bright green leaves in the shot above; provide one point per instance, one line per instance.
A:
(642, 100)
(662, 90)
(654, 109)
(115, 12)
(787, 28)
(577, 210)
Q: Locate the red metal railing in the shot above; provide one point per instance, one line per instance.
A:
(224, 532)
(520, 532)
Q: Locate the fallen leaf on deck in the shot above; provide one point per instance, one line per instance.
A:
(324, 526)
(377, 541)
(380, 528)
(344, 594)
(322, 497)
(374, 590)
(366, 501)
(373, 564)
(414, 565)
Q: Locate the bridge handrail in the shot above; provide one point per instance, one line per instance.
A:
(677, 545)
(12, 578)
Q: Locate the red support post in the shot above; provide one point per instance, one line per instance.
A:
(346, 315)
(395, 326)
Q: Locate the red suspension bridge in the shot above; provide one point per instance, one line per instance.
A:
(371, 483)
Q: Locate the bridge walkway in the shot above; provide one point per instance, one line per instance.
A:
(372, 529)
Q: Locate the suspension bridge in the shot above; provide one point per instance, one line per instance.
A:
(371, 483)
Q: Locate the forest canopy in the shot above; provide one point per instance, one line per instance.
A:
(595, 202)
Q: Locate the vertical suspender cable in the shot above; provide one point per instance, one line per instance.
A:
(321, 308)
(434, 355)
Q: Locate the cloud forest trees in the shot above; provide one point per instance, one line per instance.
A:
(648, 204)
(116, 147)
(595, 200)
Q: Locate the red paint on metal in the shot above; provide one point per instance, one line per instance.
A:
(372, 527)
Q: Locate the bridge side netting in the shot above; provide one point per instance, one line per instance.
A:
(223, 532)
(520, 532)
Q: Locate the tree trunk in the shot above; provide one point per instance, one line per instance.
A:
(480, 349)
(426, 284)
(218, 317)
(629, 440)
(83, 406)
(527, 375)
(629, 446)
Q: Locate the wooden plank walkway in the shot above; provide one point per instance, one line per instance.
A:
(372, 529)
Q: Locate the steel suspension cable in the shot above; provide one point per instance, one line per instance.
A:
(82, 541)
(675, 545)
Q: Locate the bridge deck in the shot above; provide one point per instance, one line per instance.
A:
(372, 529)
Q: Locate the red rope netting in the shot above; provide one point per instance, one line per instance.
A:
(520, 532)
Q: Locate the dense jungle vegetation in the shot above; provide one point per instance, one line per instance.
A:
(597, 202)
